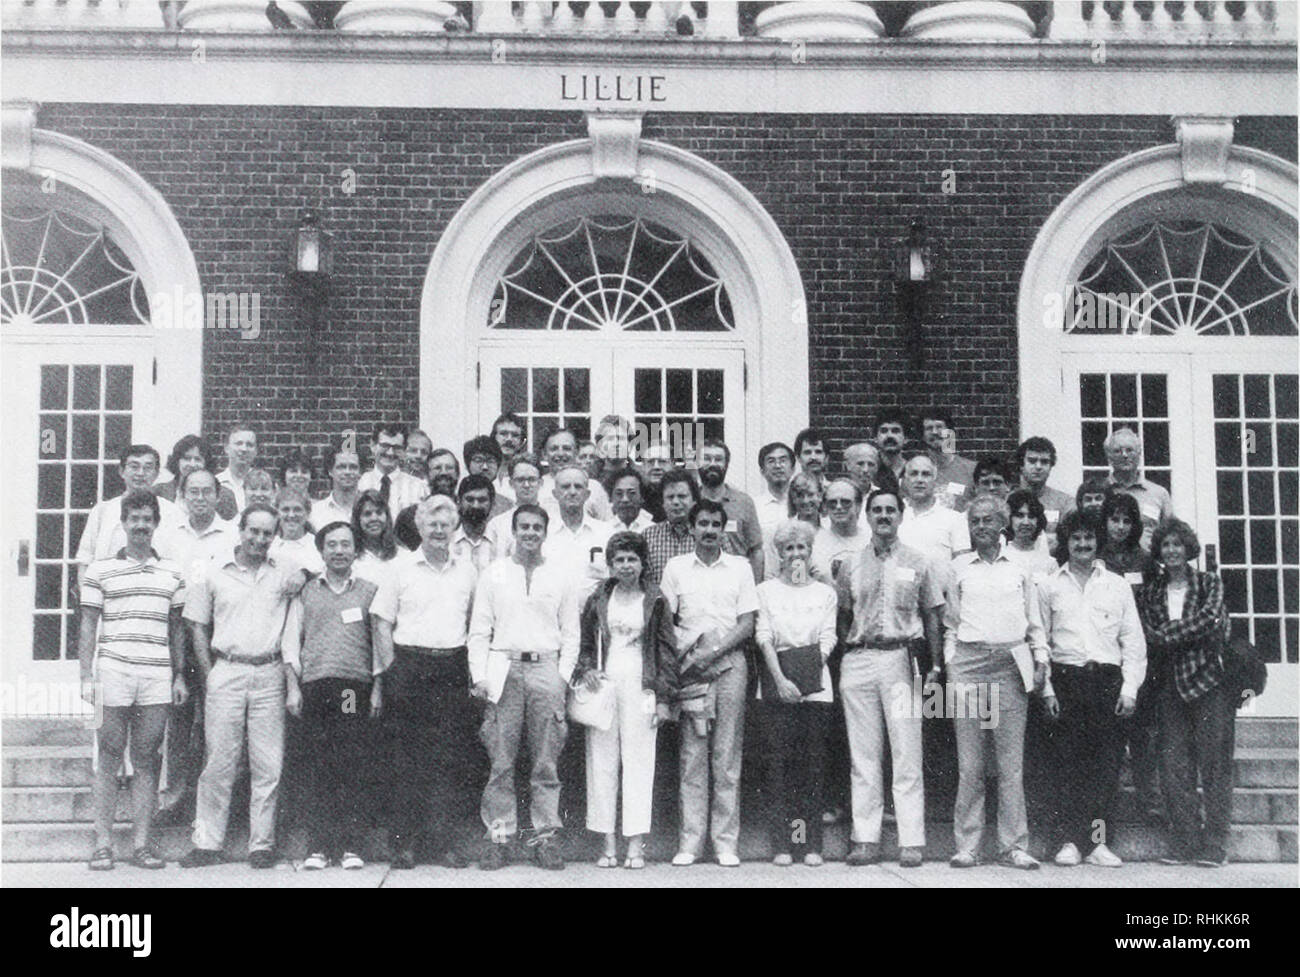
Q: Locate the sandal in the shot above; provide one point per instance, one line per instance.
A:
(634, 861)
(607, 861)
(146, 857)
(101, 860)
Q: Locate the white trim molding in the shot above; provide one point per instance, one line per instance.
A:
(615, 139)
(1257, 196)
(1205, 144)
(675, 188)
(140, 222)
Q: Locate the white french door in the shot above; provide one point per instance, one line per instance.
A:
(69, 411)
(1220, 432)
(681, 393)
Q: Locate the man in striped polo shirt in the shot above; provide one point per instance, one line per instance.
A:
(137, 598)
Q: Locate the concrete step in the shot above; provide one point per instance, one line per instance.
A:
(61, 841)
(40, 731)
(1253, 732)
(22, 805)
(1268, 766)
(47, 766)
(1250, 805)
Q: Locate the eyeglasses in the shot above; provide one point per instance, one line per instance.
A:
(525, 479)
(839, 503)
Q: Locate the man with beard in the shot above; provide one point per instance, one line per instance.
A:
(810, 450)
(444, 473)
(891, 433)
(742, 535)
(474, 498)
(483, 457)
(511, 436)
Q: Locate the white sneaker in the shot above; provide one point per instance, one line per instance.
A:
(728, 859)
(1104, 857)
(783, 859)
(315, 862)
(1068, 855)
(351, 860)
(813, 859)
(683, 858)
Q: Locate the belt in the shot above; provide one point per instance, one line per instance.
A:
(1092, 666)
(426, 652)
(532, 656)
(879, 645)
(247, 659)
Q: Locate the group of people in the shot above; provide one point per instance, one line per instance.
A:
(464, 615)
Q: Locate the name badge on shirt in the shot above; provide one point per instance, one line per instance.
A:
(904, 574)
(732, 526)
(1150, 511)
(956, 489)
(1134, 578)
(351, 615)
(1052, 516)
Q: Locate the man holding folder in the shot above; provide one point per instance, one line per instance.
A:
(523, 646)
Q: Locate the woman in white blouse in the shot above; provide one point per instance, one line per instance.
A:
(795, 611)
(295, 545)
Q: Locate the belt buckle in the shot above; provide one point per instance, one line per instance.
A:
(529, 656)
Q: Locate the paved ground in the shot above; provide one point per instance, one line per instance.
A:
(751, 874)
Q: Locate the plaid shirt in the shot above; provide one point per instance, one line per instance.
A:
(664, 542)
(1193, 643)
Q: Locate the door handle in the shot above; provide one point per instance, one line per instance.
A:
(1211, 558)
(24, 557)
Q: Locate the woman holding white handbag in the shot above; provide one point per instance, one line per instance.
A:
(627, 658)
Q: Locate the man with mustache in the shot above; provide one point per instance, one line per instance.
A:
(891, 433)
(742, 535)
(810, 451)
(474, 502)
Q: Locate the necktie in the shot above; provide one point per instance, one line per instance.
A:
(385, 486)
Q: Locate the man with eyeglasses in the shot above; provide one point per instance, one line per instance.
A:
(1124, 453)
(241, 452)
(843, 537)
(103, 534)
(396, 487)
(776, 463)
(511, 436)
(525, 484)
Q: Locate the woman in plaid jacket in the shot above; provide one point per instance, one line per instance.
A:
(1186, 627)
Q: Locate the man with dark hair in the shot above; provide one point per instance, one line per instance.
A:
(776, 464)
(396, 487)
(415, 461)
(673, 536)
(811, 453)
(236, 611)
(741, 534)
(714, 601)
(138, 659)
(334, 658)
(891, 433)
(953, 474)
(344, 468)
(523, 646)
(1035, 458)
(561, 450)
(511, 436)
(474, 497)
(104, 533)
(525, 484)
(1098, 661)
(241, 452)
(483, 457)
(995, 475)
(444, 472)
(626, 493)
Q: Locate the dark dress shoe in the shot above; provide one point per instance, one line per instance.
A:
(403, 859)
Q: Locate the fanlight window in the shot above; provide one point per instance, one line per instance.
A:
(1183, 278)
(611, 274)
(58, 269)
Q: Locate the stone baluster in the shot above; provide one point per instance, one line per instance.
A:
(494, 17)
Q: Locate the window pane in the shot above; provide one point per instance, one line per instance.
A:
(117, 434)
(1234, 590)
(1257, 399)
(76, 526)
(1232, 541)
(714, 427)
(1284, 386)
(1287, 495)
(1226, 399)
(85, 486)
(1094, 436)
(47, 630)
(577, 391)
(580, 426)
(54, 387)
(1263, 541)
(85, 436)
(1161, 478)
(50, 483)
(681, 396)
(1155, 395)
(1260, 487)
(546, 390)
(647, 395)
(1123, 395)
(514, 391)
(1092, 395)
(49, 585)
(117, 388)
(1290, 540)
(1292, 639)
(1259, 444)
(1268, 639)
(711, 392)
(1155, 443)
(85, 387)
(1264, 585)
(54, 437)
(49, 536)
(1288, 444)
(1290, 598)
(113, 484)
(1231, 502)
(1227, 445)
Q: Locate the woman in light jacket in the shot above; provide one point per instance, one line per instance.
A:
(1186, 626)
(627, 634)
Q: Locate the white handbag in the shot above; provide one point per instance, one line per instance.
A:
(594, 707)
